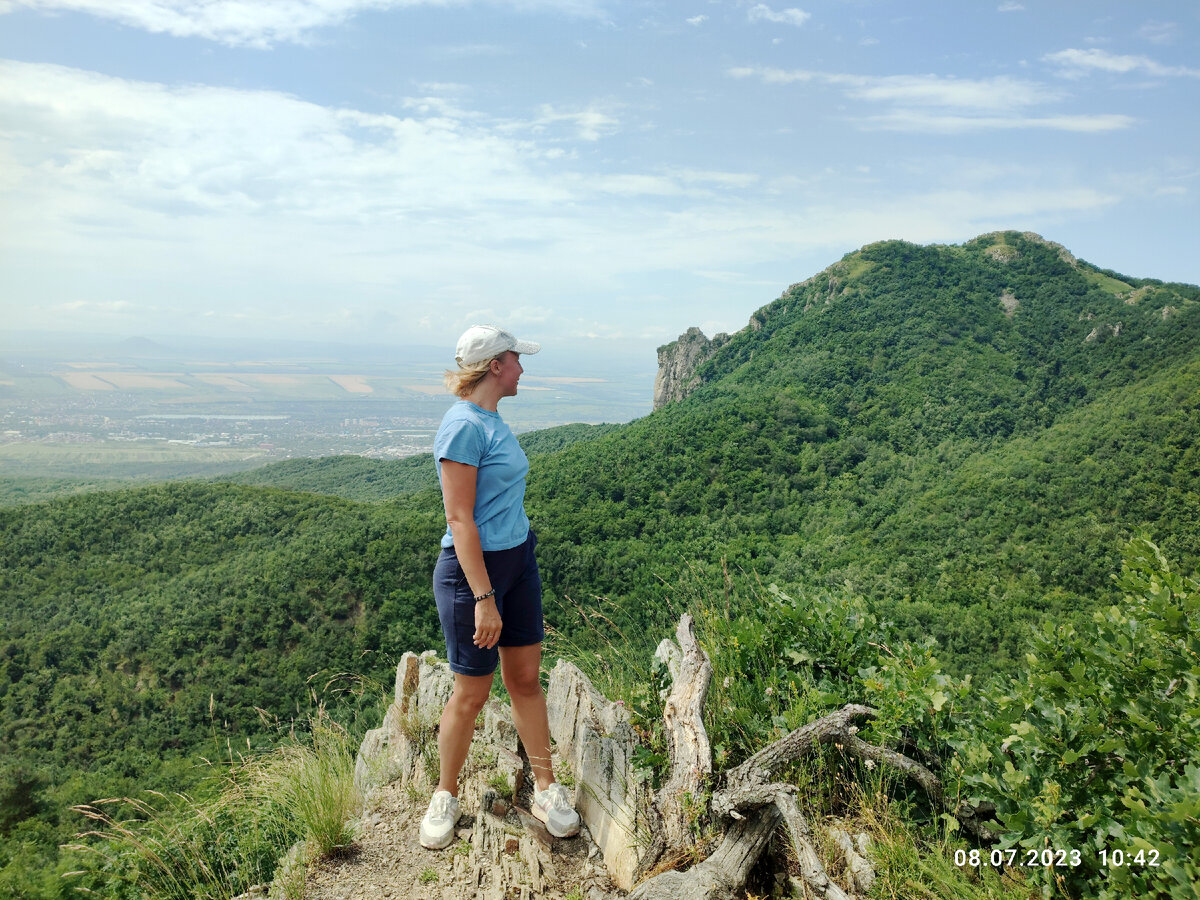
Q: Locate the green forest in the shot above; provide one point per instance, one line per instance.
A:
(971, 446)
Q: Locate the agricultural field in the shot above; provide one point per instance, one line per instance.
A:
(90, 415)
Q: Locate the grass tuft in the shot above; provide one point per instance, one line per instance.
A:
(175, 847)
(312, 780)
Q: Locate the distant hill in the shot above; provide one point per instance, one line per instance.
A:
(148, 628)
(359, 478)
(962, 435)
(352, 477)
(141, 347)
(829, 439)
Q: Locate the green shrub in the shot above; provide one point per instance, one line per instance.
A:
(1095, 748)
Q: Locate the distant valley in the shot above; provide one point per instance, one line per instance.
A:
(101, 413)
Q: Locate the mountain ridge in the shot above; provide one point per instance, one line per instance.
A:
(1010, 271)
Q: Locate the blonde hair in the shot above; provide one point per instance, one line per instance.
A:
(463, 381)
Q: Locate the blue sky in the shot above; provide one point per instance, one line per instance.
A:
(591, 174)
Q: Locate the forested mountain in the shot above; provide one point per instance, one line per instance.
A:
(963, 436)
(144, 629)
(966, 435)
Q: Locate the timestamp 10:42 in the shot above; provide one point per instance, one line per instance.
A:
(1120, 858)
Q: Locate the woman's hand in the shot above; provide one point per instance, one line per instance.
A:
(487, 624)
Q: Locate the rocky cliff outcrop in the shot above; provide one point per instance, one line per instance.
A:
(633, 836)
(678, 362)
(502, 850)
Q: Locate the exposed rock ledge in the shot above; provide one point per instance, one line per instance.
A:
(633, 836)
(594, 748)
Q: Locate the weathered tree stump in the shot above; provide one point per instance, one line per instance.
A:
(642, 832)
(688, 748)
(748, 801)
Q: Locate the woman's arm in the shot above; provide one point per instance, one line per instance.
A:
(458, 496)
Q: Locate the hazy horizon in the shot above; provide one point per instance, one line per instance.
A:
(17, 342)
(97, 409)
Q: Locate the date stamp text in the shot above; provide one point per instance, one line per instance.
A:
(1049, 857)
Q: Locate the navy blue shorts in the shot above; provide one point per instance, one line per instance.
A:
(514, 575)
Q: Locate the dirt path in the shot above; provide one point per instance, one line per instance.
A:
(492, 859)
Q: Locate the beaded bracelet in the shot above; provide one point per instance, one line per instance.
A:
(485, 596)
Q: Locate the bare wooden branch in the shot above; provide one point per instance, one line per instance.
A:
(932, 785)
(971, 818)
(748, 785)
(811, 868)
(724, 873)
(744, 784)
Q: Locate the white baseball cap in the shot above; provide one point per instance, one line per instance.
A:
(483, 342)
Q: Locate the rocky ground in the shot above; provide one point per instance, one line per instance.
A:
(493, 858)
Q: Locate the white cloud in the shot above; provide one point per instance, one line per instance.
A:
(924, 122)
(236, 22)
(257, 23)
(771, 75)
(737, 180)
(1076, 63)
(1158, 32)
(202, 206)
(260, 205)
(203, 190)
(1010, 6)
(675, 183)
(637, 185)
(960, 93)
(430, 106)
(763, 13)
(944, 105)
(211, 149)
(591, 124)
(1000, 92)
(697, 20)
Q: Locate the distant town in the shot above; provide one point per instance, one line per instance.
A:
(305, 431)
(138, 407)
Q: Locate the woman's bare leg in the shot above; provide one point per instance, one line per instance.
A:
(521, 669)
(458, 726)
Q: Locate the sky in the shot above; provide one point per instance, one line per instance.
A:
(589, 174)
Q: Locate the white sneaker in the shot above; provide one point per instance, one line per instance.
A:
(437, 828)
(554, 808)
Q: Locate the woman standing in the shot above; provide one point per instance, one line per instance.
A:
(486, 582)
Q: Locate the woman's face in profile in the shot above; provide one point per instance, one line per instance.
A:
(510, 372)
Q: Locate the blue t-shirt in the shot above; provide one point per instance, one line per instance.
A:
(478, 437)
